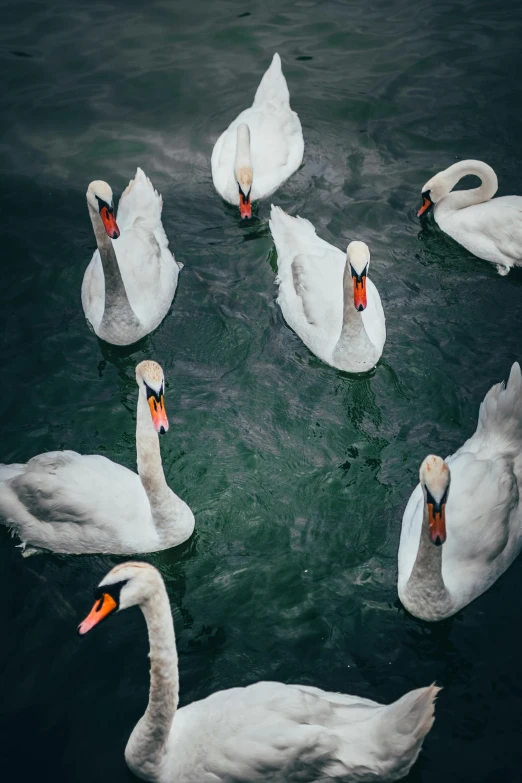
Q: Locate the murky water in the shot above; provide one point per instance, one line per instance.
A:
(298, 474)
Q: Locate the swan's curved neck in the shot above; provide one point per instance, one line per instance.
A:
(353, 341)
(466, 198)
(425, 587)
(146, 748)
(117, 306)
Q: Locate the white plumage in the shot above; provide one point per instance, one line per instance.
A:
(483, 514)
(276, 140)
(268, 731)
(68, 502)
(490, 228)
(140, 258)
(317, 299)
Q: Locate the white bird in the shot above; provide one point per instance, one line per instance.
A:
(73, 503)
(131, 280)
(481, 514)
(261, 148)
(268, 731)
(490, 228)
(326, 296)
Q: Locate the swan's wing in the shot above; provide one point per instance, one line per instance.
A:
(67, 502)
(141, 201)
(149, 271)
(271, 731)
(310, 277)
(373, 317)
(410, 536)
(490, 229)
(63, 486)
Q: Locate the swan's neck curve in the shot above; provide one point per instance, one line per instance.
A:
(425, 589)
(466, 198)
(353, 346)
(117, 311)
(172, 518)
(147, 748)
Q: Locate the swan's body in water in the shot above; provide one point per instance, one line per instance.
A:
(73, 503)
(457, 540)
(326, 296)
(129, 285)
(268, 731)
(490, 228)
(261, 148)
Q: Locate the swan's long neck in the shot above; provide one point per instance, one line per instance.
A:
(150, 467)
(117, 306)
(243, 160)
(466, 198)
(146, 749)
(353, 341)
(425, 587)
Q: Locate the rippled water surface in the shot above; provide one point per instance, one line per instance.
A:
(298, 474)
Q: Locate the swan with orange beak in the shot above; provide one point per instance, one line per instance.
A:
(261, 148)
(129, 285)
(462, 527)
(326, 296)
(85, 503)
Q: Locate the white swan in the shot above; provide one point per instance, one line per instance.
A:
(326, 296)
(73, 503)
(480, 513)
(261, 148)
(490, 228)
(263, 732)
(130, 282)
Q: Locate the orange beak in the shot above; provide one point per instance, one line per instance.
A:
(158, 413)
(427, 204)
(103, 607)
(359, 291)
(245, 207)
(109, 221)
(437, 522)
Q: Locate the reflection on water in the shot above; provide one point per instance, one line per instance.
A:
(298, 474)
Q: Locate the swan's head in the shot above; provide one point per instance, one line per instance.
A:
(151, 381)
(434, 189)
(358, 256)
(243, 170)
(126, 585)
(435, 479)
(99, 197)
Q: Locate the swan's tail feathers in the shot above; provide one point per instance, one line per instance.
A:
(500, 413)
(289, 233)
(273, 88)
(405, 723)
(139, 199)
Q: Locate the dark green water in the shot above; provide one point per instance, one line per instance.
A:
(298, 474)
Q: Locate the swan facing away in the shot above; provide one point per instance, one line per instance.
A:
(263, 732)
(326, 296)
(457, 540)
(261, 148)
(73, 503)
(130, 283)
(490, 228)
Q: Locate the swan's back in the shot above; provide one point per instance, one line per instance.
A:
(284, 733)
(75, 503)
